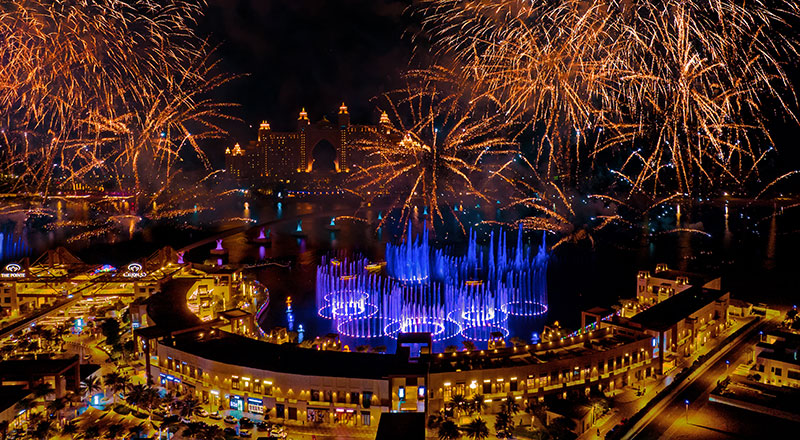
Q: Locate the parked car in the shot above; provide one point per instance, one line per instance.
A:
(244, 433)
(229, 432)
(263, 426)
(245, 422)
(201, 413)
(215, 415)
(230, 419)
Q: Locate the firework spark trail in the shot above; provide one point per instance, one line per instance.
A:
(433, 150)
(677, 89)
(101, 91)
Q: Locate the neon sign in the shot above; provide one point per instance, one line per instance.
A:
(13, 270)
(134, 271)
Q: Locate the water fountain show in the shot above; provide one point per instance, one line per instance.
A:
(422, 289)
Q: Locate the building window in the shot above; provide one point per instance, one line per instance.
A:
(401, 393)
(367, 402)
(365, 418)
(292, 413)
(513, 385)
(792, 374)
(235, 382)
(778, 372)
(279, 410)
(487, 388)
(354, 398)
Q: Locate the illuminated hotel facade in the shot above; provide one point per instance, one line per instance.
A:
(283, 155)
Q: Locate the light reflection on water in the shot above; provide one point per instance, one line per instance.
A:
(750, 247)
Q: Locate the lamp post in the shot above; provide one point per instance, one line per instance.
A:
(686, 413)
(727, 363)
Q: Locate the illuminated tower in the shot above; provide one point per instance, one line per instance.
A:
(302, 124)
(385, 123)
(344, 117)
(262, 147)
(344, 125)
(263, 131)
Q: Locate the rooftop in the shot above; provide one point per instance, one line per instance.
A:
(18, 368)
(10, 395)
(695, 279)
(676, 308)
(289, 358)
(596, 341)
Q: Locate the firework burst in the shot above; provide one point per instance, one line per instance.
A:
(103, 93)
(432, 150)
(669, 94)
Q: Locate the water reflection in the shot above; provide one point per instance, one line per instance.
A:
(769, 262)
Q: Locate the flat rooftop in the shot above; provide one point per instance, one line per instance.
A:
(602, 340)
(10, 395)
(16, 368)
(695, 279)
(676, 308)
(289, 358)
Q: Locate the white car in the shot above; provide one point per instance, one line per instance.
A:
(201, 413)
(230, 419)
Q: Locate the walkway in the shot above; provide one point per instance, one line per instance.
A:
(626, 402)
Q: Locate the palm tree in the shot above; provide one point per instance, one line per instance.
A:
(187, 407)
(3, 429)
(509, 407)
(457, 403)
(144, 397)
(476, 402)
(44, 430)
(537, 410)
(169, 423)
(25, 405)
(91, 385)
(69, 429)
(42, 389)
(212, 432)
(56, 406)
(117, 382)
(91, 432)
(194, 430)
(448, 430)
(72, 398)
(435, 420)
(114, 430)
(477, 429)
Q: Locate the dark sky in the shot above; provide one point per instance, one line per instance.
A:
(308, 53)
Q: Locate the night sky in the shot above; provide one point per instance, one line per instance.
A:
(307, 53)
(318, 53)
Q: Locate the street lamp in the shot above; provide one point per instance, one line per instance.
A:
(727, 362)
(686, 413)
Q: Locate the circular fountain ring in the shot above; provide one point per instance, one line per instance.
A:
(365, 327)
(440, 329)
(338, 313)
(524, 308)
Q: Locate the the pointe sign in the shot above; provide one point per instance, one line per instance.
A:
(134, 271)
(12, 270)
